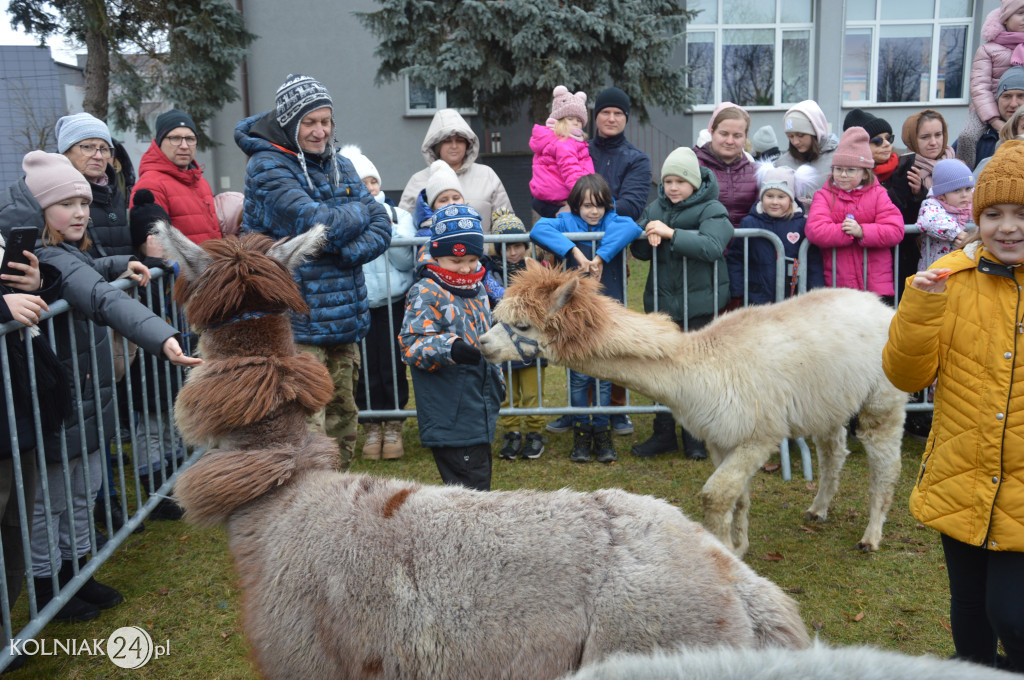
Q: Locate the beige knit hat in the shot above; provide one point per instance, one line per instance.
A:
(1002, 179)
(442, 178)
(52, 178)
(682, 163)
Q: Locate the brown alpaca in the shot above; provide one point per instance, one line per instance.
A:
(742, 384)
(350, 576)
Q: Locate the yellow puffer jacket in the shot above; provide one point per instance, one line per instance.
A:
(971, 482)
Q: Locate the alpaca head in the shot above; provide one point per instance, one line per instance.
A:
(223, 278)
(556, 308)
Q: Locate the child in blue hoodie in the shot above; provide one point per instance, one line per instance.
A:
(777, 211)
(590, 209)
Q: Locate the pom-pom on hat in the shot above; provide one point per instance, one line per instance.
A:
(172, 120)
(853, 150)
(764, 139)
(504, 221)
(70, 130)
(870, 122)
(950, 174)
(442, 178)
(144, 214)
(565, 104)
(455, 230)
(792, 182)
(52, 178)
(364, 167)
(682, 163)
(612, 97)
(1002, 180)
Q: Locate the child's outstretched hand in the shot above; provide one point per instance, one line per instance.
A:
(656, 230)
(30, 279)
(26, 309)
(596, 268)
(850, 227)
(139, 272)
(931, 280)
(172, 350)
(581, 260)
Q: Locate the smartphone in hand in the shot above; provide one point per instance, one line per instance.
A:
(20, 240)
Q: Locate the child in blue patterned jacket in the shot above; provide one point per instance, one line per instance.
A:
(458, 393)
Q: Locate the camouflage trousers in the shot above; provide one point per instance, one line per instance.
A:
(339, 419)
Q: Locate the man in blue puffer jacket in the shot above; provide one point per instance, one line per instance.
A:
(295, 180)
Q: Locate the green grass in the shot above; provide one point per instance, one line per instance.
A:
(179, 583)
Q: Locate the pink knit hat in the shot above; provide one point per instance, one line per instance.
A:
(726, 105)
(853, 150)
(1008, 8)
(52, 178)
(567, 104)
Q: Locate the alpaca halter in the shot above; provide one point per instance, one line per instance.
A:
(245, 316)
(519, 341)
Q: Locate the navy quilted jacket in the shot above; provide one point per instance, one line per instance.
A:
(280, 203)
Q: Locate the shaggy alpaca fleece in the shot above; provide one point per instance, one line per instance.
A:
(350, 576)
(742, 384)
(820, 662)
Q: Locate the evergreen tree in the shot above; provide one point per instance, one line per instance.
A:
(500, 54)
(181, 51)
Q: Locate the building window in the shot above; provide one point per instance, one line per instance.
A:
(422, 100)
(755, 53)
(907, 51)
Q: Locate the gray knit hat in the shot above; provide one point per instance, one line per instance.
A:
(1012, 79)
(70, 130)
(764, 139)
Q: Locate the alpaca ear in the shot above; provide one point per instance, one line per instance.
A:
(292, 252)
(562, 295)
(192, 259)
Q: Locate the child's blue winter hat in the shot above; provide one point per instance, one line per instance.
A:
(455, 231)
(950, 174)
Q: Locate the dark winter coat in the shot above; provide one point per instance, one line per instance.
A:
(108, 219)
(627, 170)
(702, 232)
(95, 304)
(762, 256)
(280, 203)
(737, 188)
(184, 194)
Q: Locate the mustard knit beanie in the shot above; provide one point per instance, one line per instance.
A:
(1002, 179)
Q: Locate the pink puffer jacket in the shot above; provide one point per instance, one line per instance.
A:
(557, 163)
(990, 63)
(883, 228)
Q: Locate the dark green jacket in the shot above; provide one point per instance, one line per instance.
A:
(702, 232)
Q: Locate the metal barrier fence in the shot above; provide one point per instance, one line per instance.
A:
(24, 474)
(741, 240)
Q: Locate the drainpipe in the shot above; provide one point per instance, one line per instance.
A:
(243, 70)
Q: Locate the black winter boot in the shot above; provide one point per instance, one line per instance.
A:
(663, 440)
(604, 451)
(694, 447)
(582, 440)
(92, 591)
(75, 610)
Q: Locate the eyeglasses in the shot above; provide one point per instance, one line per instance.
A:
(845, 171)
(881, 139)
(176, 140)
(92, 149)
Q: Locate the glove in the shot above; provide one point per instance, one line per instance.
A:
(465, 353)
(144, 213)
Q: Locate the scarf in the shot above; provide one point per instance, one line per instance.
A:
(576, 133)
(925, 166)
(961, 215)
(883, 171)
(456, 280)
(1014, 39)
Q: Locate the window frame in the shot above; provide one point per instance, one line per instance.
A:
(780, 28)
(440, 102)
(937, 24)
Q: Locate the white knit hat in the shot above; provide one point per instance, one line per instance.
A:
(442, 178)
(363, 165)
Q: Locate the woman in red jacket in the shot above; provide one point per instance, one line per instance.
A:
(169, 170)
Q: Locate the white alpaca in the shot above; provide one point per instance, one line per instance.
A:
(819, 662)
(800, 368)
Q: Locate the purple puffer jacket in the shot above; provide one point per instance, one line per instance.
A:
(883, 228)
(990, 63)
(737, 188)
(557, 163)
